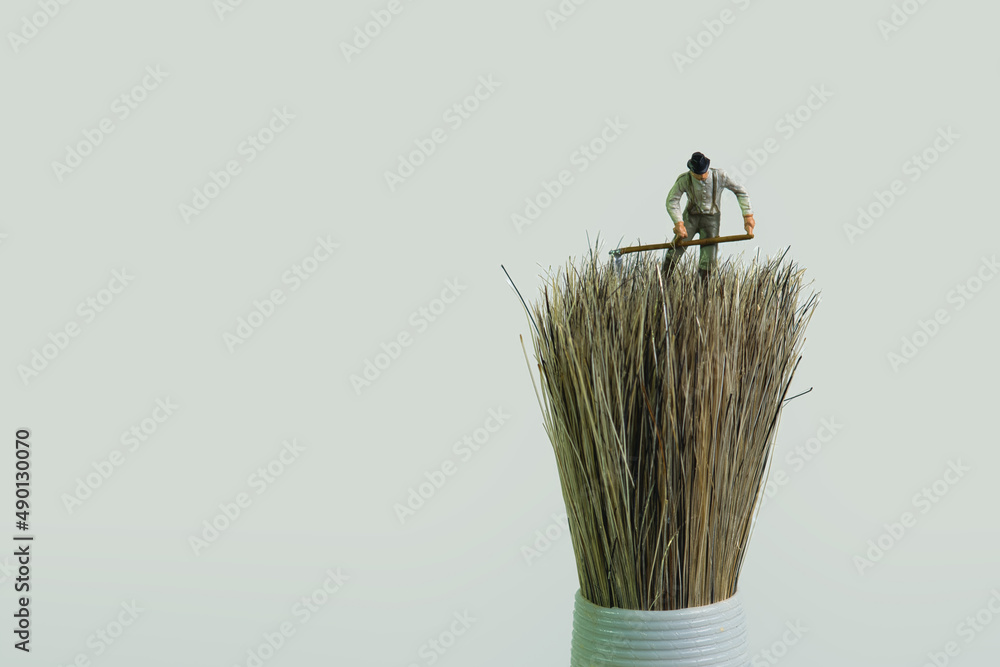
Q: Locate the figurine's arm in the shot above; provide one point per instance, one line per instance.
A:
(674, 200)
(743, 198)
(674, 206)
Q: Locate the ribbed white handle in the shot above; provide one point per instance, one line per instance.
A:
(711, 636)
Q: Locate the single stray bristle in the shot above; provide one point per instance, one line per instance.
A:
(661, 397)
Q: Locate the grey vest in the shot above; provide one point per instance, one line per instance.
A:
(691, 209)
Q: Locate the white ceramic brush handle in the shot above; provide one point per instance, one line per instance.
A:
(711, 636)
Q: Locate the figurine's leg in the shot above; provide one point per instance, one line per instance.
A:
(670, 259)
(692, 225)
(709, 225)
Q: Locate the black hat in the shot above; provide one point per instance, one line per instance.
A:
(698, 163)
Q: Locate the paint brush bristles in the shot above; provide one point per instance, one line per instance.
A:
(661, 398)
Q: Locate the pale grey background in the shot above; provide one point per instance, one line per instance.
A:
(463, 551)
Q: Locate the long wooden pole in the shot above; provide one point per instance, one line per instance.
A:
(617, 252)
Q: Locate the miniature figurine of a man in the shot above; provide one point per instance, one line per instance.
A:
(702, 186)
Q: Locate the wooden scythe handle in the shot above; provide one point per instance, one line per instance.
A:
(617, 252)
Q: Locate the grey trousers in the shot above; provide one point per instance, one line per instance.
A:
(705, 225)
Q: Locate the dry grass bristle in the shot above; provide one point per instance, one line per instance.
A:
(661, 398)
